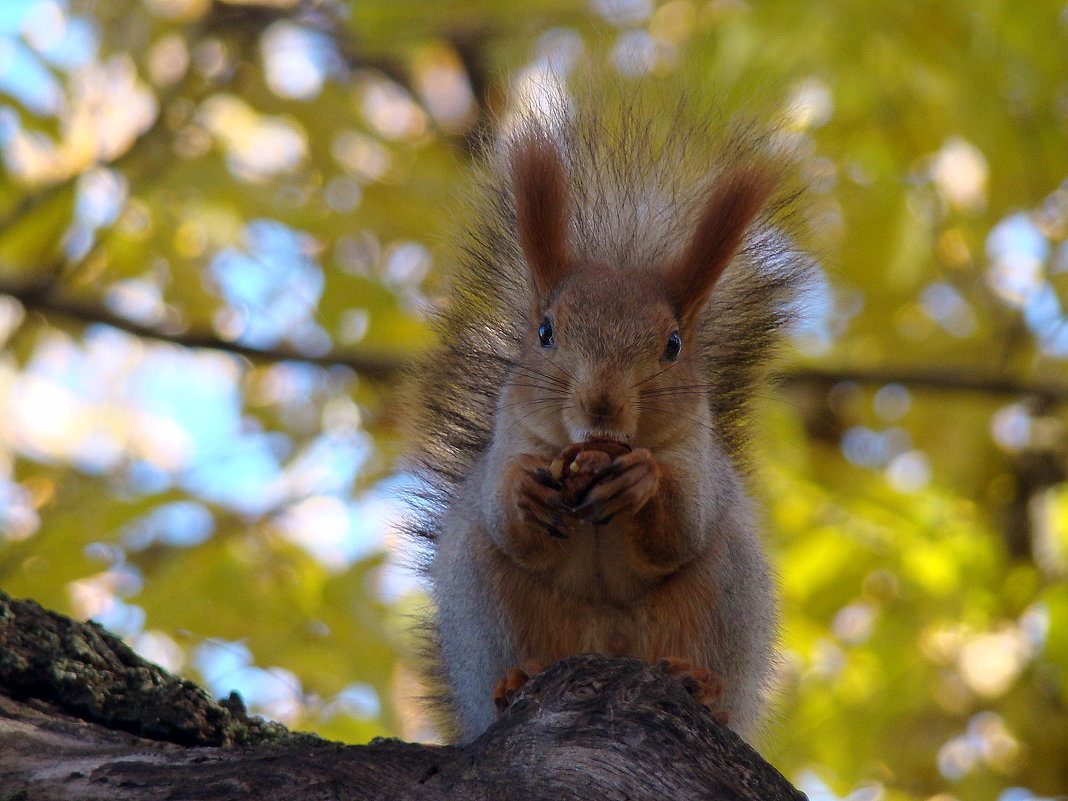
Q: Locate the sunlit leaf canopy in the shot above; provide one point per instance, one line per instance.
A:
(222, 225)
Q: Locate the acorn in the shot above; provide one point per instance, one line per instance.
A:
(577, 465)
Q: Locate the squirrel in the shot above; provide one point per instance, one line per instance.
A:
(583, 420)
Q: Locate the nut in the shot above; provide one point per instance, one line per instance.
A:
(577, 465)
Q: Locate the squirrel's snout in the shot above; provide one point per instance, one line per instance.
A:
(600, 405)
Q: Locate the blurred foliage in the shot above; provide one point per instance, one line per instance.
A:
(270, 183)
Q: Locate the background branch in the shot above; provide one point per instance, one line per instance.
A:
(941, 379)
(49, 303)
(384, 367)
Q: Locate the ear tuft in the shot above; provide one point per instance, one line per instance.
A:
(734, 200)
(539, 184)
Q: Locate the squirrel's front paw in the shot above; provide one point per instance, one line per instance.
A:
(623, 487)
(537, 496)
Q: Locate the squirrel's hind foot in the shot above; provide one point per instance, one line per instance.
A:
(704, 685)
(511, 683)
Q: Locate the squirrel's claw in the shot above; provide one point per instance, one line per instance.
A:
(623, 487)
(544, 477)
(507, 688)
(704, 685)
(512, 682)
(538, 499)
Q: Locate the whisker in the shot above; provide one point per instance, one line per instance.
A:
(531, 372)
(654, 375)
(563, 370)
(675, 414)
(532, 402)
(542, 387)
(682, 360)
(648, 393)
(518, 366)
(526, 371)
(517, 421)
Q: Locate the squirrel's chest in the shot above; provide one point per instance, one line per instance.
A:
(591, 600)
(595, 568)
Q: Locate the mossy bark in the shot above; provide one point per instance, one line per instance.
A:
(84, 718)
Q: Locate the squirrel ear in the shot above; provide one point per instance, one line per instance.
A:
(735, 198)
(539, 184)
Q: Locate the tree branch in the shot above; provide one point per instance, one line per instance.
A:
(48, 303)
(938, 379)
(385, 367)
(83, 718)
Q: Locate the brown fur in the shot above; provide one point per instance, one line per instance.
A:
(541, 209)
(661, 559)
(736, 198)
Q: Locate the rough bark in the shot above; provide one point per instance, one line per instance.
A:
(82, 718)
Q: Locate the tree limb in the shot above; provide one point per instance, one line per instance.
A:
(384, 367)
(83, 718)
(938, 379)
(46, 302)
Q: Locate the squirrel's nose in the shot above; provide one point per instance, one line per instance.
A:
(600, 405)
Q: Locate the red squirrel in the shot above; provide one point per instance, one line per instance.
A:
(620, 290)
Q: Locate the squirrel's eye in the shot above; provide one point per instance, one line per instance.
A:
(673, 348)
(545, 334)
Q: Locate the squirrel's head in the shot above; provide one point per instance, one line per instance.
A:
(609, 351)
